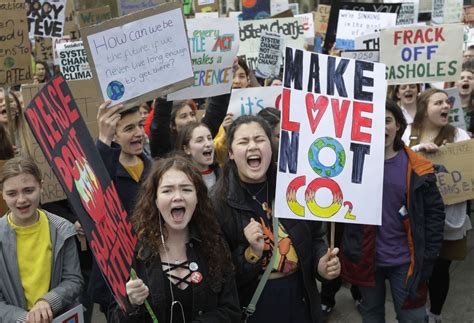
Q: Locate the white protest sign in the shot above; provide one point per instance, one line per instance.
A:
(447, 11)
(214, 44)
(74, 315)
(129, 6)
(422, 54)
(456, 113)
(46, 17)
(352, 24)
(331, 155)
(408, 14)
(367, 42)
(270, 55)
(73, 61)
(291, 29)
(56, 43)
(308, 24)
(140, 56)
(277, 6)
(366, 55)
(250, 101)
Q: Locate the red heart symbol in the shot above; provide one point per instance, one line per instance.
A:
(319, 107)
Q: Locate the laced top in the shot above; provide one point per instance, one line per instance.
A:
(181, 283)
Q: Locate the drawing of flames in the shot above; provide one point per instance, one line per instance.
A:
(89, 190)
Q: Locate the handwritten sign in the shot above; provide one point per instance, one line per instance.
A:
(93, 16)
(44, 49)
(250, 31)
(73, 61)
(214, 44)
(140, 56)
(270, 55)
(46, 18)
(56, 123)
(366, 55)
(70, 26)
(206, 6)
(331, 153)
(250, 101)
(277, 6)
(422, 54)
(87, 98)
(308, 25)
(352, 24)
(321, 19)
(128, 6)
(447, 11)
(15, 55)
(457, 185)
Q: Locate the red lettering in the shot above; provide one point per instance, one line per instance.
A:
(439, 34)
(62, 116)
(319, 107)
(397, 36)
(358, 121)
(407, 37)
(339, 115)
(286, 124)
(47, 119)
(65, 99)
(65, 174)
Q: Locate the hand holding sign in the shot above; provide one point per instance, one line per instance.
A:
(107, 119)
(137, 291)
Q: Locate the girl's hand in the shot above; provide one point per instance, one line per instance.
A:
(40, 313)
(329, 266)
(428, 147)
(137, 291)
(254, 234)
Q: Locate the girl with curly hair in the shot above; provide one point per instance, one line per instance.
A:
(183, 266)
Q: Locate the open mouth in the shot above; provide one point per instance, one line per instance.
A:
(177, 213)
(207, 153)
(465, 86)
(409, 96)
(137, 142)
(23, 209)
(444, 115)
(254, 161)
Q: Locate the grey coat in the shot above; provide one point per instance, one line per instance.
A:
(66, 279)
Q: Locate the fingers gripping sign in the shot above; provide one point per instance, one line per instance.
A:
(329, 266)
(254, 234)
(41, 312)
(107, 119)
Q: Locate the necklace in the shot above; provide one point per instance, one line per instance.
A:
(264, 205)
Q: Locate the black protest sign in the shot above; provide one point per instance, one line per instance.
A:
(334, 15)
(46, 17)
(61, 132)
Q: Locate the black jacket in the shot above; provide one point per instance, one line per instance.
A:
(307, 237)
(162, 141)
(213, 301)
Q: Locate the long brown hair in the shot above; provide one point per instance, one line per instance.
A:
(146, 217)
(445, 134)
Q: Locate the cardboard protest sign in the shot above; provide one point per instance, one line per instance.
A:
(331, 155)
(140, 56)
(85, 93)
(368, 42)
(352, 24)
(128, 6)
(408, 14)
(93, 16)
(422, 54)
(269, 55)
(456, 113)
(73, 61)
(366, 55)
(15, 55)
(214, 44)
(356, 6)
(206, 6)
(70, 25)
(44, 49)
(457, 185)
(321, 19)
(250, 101)
(291, 29)
(256, 9)
(56, 123)
(447, 11)
(46, 18)
(74, 315)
